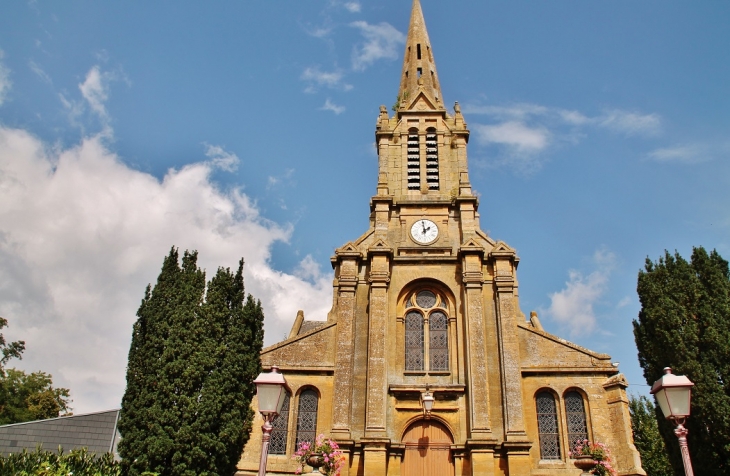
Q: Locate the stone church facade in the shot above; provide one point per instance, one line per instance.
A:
(427, 301)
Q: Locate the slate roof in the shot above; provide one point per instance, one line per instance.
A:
(95, 431)
(308, 326)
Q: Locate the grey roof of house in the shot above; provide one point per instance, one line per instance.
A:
(95, 431)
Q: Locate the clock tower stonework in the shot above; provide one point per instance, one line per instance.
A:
(425, 301)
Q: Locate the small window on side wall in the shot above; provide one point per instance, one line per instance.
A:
(280, 433)
(307, 416)
(547, 426)
(575, 414)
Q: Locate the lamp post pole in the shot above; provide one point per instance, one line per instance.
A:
(681, 433)
(265, 439)
(271, 390)
(673, 394)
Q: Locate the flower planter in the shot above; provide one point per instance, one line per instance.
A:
(315, 462)
(585, 463)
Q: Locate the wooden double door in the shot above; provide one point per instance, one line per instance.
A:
(428, 450)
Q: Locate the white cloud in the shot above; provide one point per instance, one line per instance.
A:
(686, 154)
(381, 42)
(220, 158)
(515, 135)
(94, 92)
(286, 177)
(35, 67)
(330, 106)
(630, 123)
(310, 270)
(5, 83)
(329, 79)
(526, 131)
(617, 120)
(572, 307)
(81, 235)
(320, 32)
(95, 89)
(516, 111)
(352, 7)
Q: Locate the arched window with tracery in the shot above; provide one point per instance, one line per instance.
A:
(575, 414)
(280, 433)
(426, 332)
(547, 426)
(307, 416)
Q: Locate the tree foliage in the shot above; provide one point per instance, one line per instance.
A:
(27, 397)
(193, 358)
(684, 323)
(647, 439)
(23, 396)
(47, 463)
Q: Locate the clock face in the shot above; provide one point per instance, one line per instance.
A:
(424, 231)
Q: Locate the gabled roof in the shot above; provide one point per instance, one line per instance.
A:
(95, 431)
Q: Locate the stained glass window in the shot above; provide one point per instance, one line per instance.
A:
(307, 417)
(576, 417)
(426, 332)
(414, 341)
(547, 426)
(279, 434)
(438, 351)
(426, 299)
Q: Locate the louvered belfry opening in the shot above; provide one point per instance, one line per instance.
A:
(432, 159)
(414, 160)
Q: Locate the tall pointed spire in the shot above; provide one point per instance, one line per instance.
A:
(419, 68)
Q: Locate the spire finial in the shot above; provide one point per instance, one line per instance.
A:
(419, 68)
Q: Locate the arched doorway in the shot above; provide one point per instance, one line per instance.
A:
(428, 450)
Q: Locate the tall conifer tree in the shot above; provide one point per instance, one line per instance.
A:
(648, 441)
(684, 323)
(193, 358)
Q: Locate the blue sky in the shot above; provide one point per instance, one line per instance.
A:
(599, 136)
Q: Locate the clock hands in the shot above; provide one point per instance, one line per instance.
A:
(423, 225)
(424, 231)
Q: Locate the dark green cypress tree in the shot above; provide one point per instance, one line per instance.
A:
(647, 439)
(140, 415)
(684, 323)
(193, 359)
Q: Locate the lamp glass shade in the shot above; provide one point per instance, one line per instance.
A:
(270, 390)
(427, 399)
(673, 394)
(270, 397)
(674, 401)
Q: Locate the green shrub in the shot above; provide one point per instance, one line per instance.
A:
(48, 463)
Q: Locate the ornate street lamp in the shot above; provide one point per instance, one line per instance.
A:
(427, 400)
(271, 389)
(673, 393)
